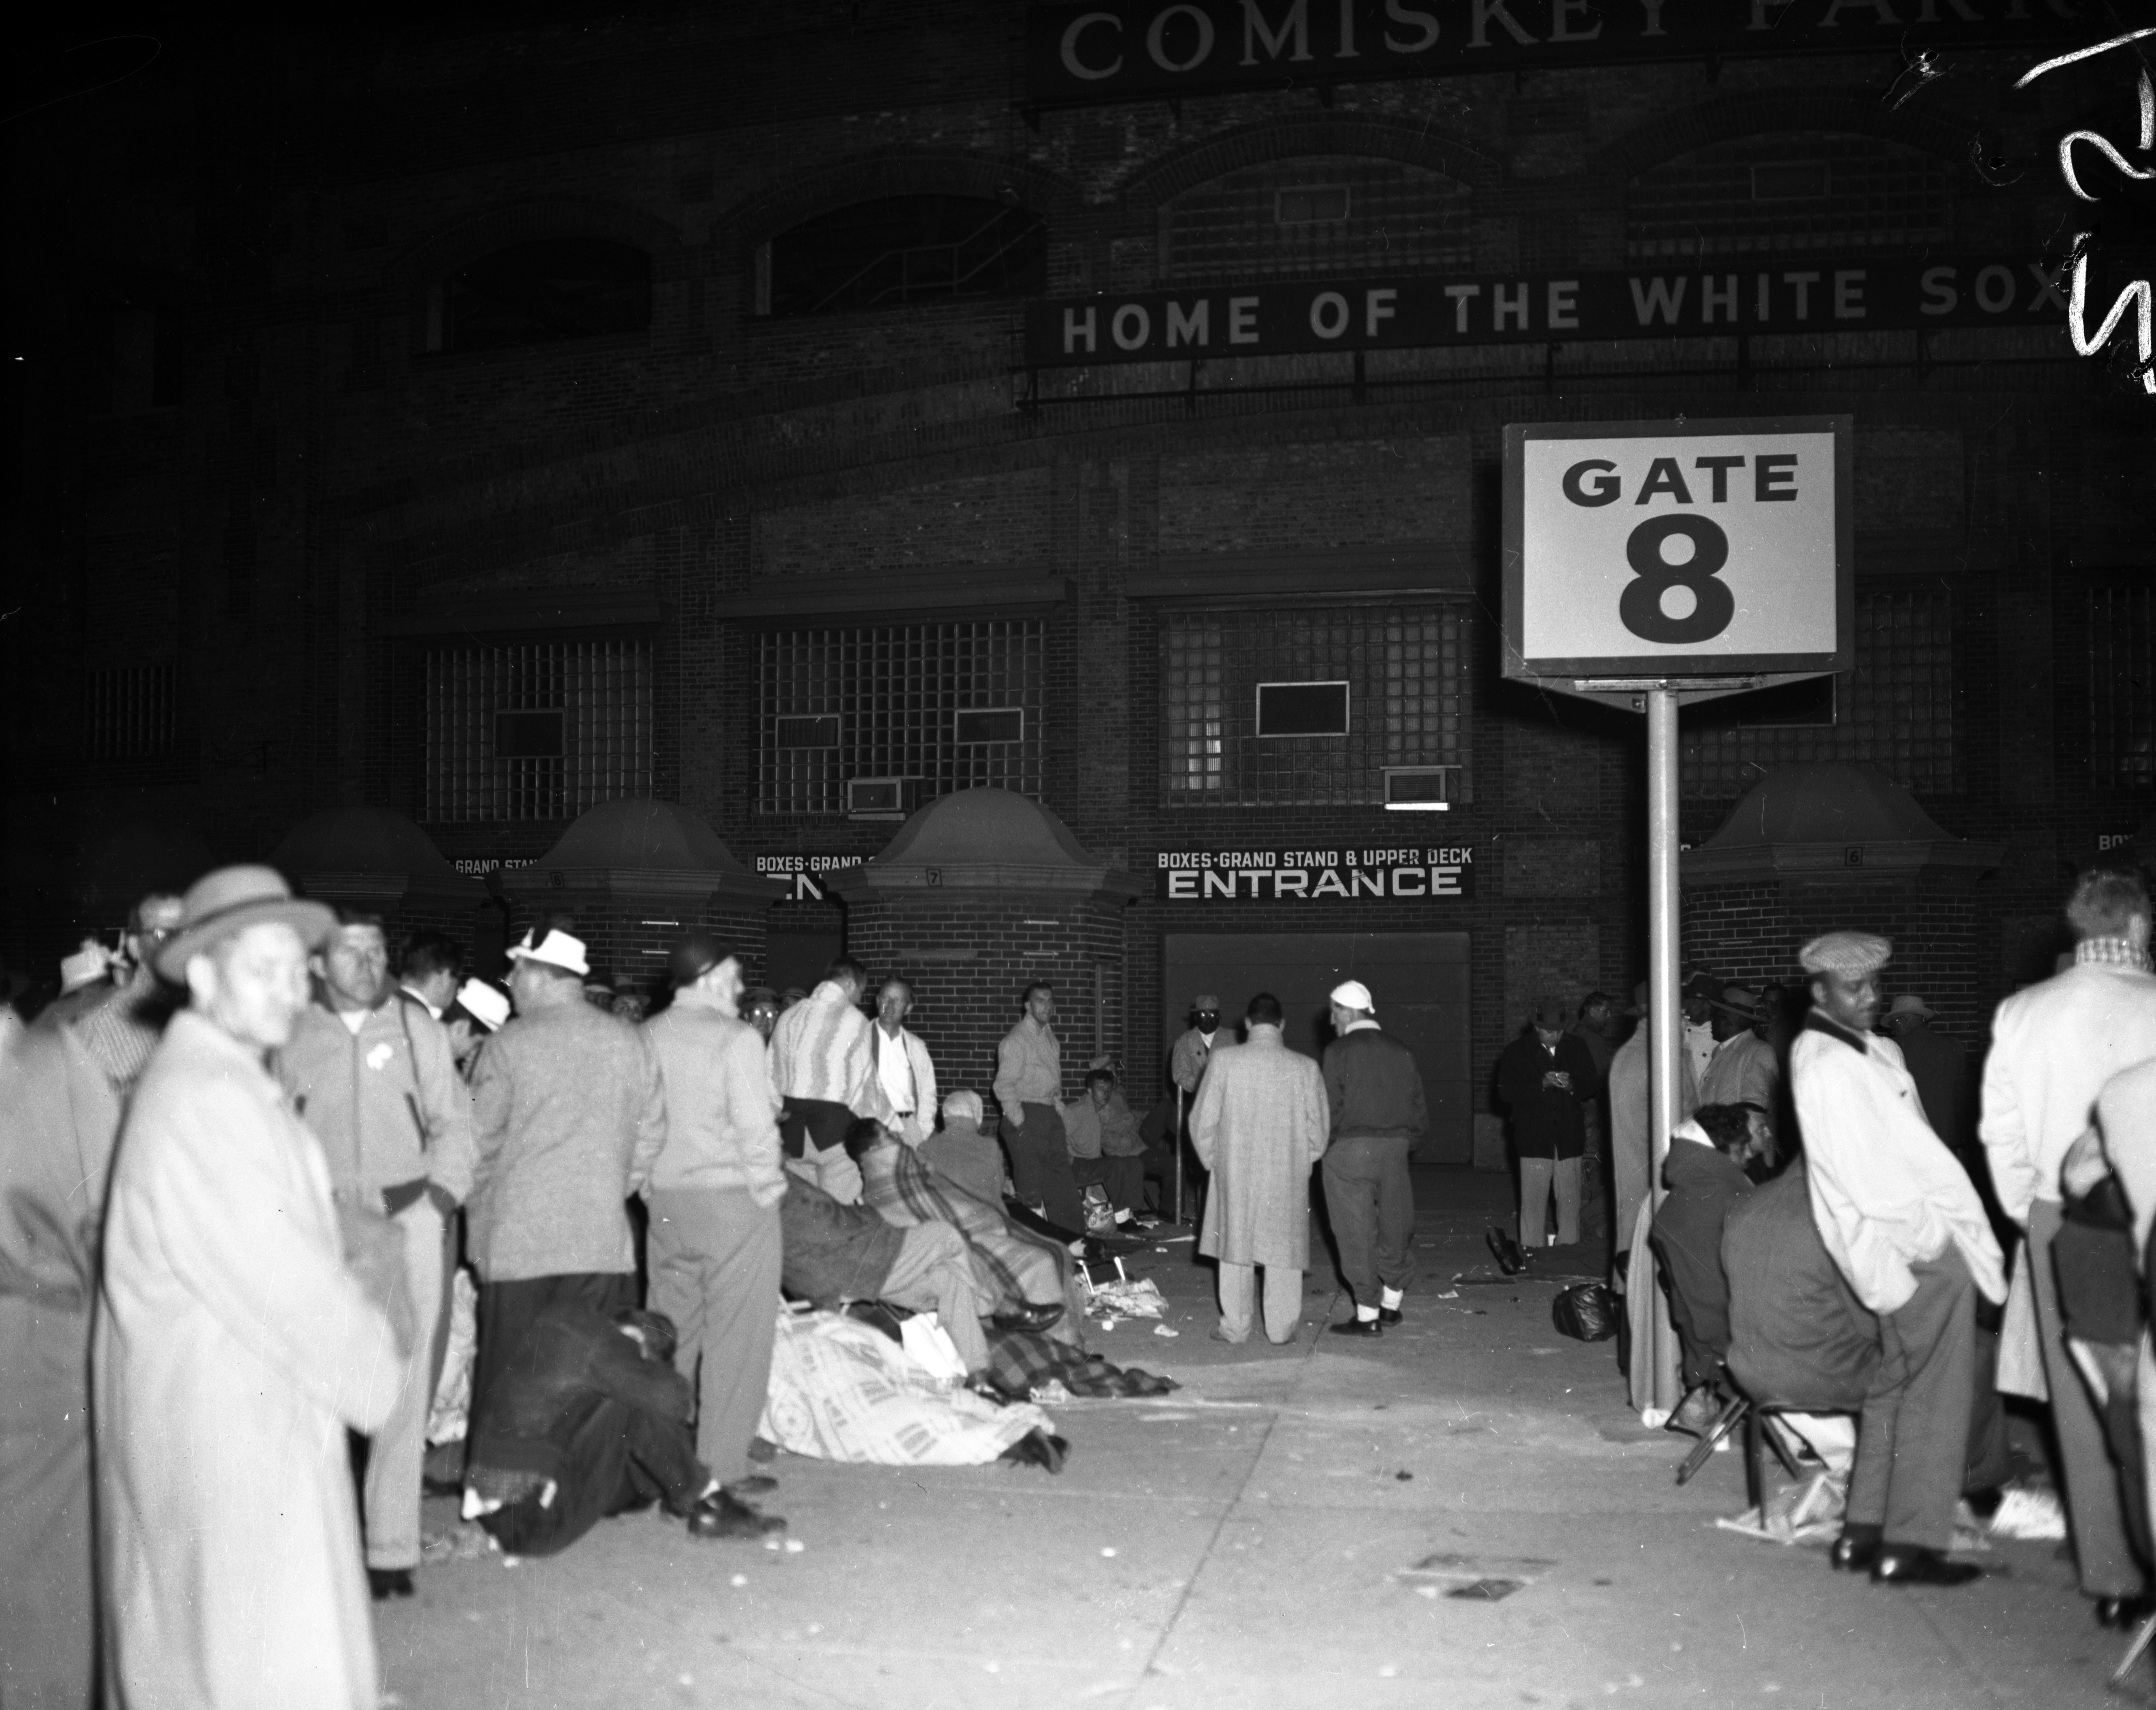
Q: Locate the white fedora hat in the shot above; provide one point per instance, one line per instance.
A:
(557, 949)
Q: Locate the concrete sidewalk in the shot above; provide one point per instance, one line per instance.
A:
(1255, 1540)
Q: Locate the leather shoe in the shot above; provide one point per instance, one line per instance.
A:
(384, 1583)
(2124, 1612)
(1856, 1549)
(1358, 1326)
(1389, 1315)
(1911, 1564)
(1505, 1250)
(719, 1516)
(756, 1484)
(1030, 1315)
(1038, 1448)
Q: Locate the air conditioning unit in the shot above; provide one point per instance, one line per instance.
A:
(882, 798)
(1419, 789)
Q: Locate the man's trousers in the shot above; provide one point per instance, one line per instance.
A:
(619, 1457)
(1283, 1301)
(1040, 1166)
(1369, 1201)
(933, 1273)
(1912, 1438)
(47, 1598)
(2093, 1495)
(1537, 1177)
(813, 1134)
(714, 1256)
(391, 1493)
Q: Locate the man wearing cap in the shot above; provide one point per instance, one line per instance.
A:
(474, 1015)
(569, 1114)
(1193, 1049)
(1743, 1070)
(1546, 1077)
(903, 1066)
(2053, 1047)
(713, 1246)
(64, 1084)
(236, 1343)
(375, 1079)
(824, 1063)
(1899, 1217)
(1374, 1101)
(1260, 1123)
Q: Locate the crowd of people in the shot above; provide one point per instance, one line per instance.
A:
(244, 1163)
(1832, 1231)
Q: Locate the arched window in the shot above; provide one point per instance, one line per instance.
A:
(903, 249)
(1316, 215)
(1816, 190)
(542, 291)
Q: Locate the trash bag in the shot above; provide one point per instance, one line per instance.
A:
(1586, 1312)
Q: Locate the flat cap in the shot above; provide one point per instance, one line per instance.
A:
(694, 955)
(1205, 1003)
(1353, 994)
(1852, 955)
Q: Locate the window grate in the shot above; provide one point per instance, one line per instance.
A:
(2121, 667)
(1780, 194)
(1315, 217)
(486, 762)
(1897, 710)
(131, 713)
(1406, 670)
(892, 699)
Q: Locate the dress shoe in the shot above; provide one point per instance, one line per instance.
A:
(761, 1449)
(1856, 1549)
(386, 1583)
(756, 1484)
(1506, 1251)
(1911, 1564)
(1038, 1448)
(1358, 1326)
(2125, 1613)
(1030, 1315)
(719, 1516)
(1389, 1315)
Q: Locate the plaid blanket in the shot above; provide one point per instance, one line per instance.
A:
(842, 1391)
(1020, 1361)
(1015, 1265)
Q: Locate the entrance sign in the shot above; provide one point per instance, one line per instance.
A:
(810, 874)
(1718, 549)
(1315, 874)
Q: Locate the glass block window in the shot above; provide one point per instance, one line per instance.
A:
(131, 713)
(1406, 669)
(541, 730)
(1788, 192)
(1896, 710)
(1316, 216)
(955, 705)
(2121, 677)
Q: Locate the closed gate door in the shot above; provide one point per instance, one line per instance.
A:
(1419, 981)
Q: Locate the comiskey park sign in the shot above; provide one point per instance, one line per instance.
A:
(1127, 49)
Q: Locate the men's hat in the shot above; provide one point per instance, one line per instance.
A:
(695, 956)
(1703, 986)
(226, 902)
(1909, 1004)
(1739, 1000)
(1550, 1011)
(1205, 1003)
(1852, 955)
(86, 968)
(1353, 994)
(758, 995)
(156, 913)
(484, 1004)
(557, 949)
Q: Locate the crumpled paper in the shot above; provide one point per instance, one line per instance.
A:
(1141, 1298)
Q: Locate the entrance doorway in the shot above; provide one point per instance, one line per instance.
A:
(1419, 980)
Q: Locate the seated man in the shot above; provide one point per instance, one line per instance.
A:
(1021, 1274)
(1800, 1337)
(1705, 1174)
(1105, 1147)
(961, 1154)
(589, 1418)
(837, 1253)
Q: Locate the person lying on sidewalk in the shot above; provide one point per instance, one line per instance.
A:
(590, 1419)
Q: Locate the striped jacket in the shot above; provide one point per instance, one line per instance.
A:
(825, 1048)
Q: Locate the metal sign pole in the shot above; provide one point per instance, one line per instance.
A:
(1179, 1154)
(1665, 1037)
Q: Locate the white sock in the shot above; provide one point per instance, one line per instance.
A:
(1392, 1298)
(1368, 1314)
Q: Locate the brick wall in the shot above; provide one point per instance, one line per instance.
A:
(627, 937)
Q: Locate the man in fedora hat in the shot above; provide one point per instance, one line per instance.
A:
(1900, 1219)
(375, 1078)
(1193, 1049)
(569, 1115)
(1546, 1077)
(714, 1248)
(236, 1343)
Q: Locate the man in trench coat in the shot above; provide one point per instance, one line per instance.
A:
(1260, 1126)
(234, 1346)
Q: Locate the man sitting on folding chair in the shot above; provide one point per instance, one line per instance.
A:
(1705, 1174)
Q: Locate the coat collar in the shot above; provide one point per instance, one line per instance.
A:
(1817, 1022)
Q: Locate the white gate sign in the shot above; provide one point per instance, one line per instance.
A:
(1664, 550)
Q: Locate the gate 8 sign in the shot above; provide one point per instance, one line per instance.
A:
(1710, 548)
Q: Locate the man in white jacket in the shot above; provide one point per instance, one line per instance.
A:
(1902, 1222)
(903, 1066)
(2053, 1047)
